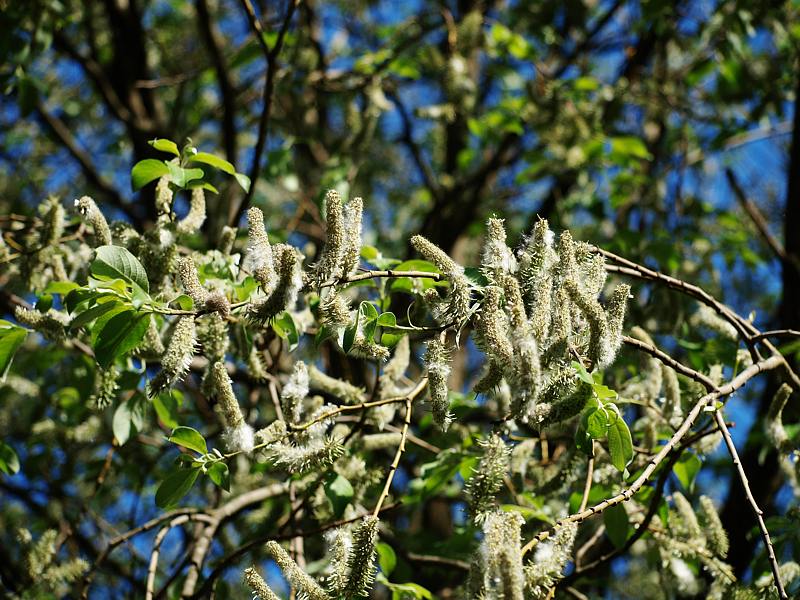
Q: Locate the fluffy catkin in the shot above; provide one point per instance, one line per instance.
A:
(361, 560)
(330, 260)
(50, 324)
(92, 214)
(497, 258)
(437, 363)
(296, 577)
(688, 524)
(339, 544)
(238, 435)
(284, 294)
(487, 479)
(196, 216)
(163, 197)
(492, 328)
(352, 216)
(258, 586)
(344, 391)
(259, 251)
(600, 350)
(294, 392)
(457, 303)
(536, 278)
(503, 573)
(715, 533)
(773, 423)
(177, 357)
(549, 561)
(190, 282)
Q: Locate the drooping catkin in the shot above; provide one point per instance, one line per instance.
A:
(707, 318)
(487, 479)
(258, 586)
(687, 524)
(227, 238)
(599, 351)
(50, 324)
(773, 422)
(296, 577)
(92, 214)
(334, 310)
(549, 560)
(339, 543)
(491, 378)
(502, 571)
(615, 314)
(294, 392)
(106, 386)
(238, 435)
(329, 263)
(456, 304)
(318, 454)
(190, 282)
(361, 559)
(715, 533)
(177, 357)
(163, 197)
(352, 217)
(53, 218)
(196, 216)
(343, 390)
(437, 364)
(672, 409)
(259, 251)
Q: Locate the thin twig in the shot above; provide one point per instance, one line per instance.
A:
(726, 435)
(725, 390)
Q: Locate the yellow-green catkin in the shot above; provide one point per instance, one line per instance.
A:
(497, 258)
(346, 392)
(87, 207)
(536, 278)
(352, 216)
(672, 409)
(549, 560)
(716, 536)
(296, 577)
(598, 350)
(258, 586)
(687, 523)
(196, 216)
(329, 264)
(361, 559)
(334, 310)
(437, 364)
(294, 392)
(503, 572)
(339, 542)
(50, 324)
(317, 454)
(227, 238)
(259, 251)
(492, 328)
(106, 386)
(178, 355)
(284, 294)
(53, 217)
(190, 282)
(238, 435)
(487, 479)
(456, 305)
(773, 423)
(707, 318)
(163, 198)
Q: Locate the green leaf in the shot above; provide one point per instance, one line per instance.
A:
(115, 262)
(617, 525)
(387, 319)
(686, 470)
(243, 181)
(189, 438)
(61, 287)
(147, 170)
(166, 406)
(597, 423)
(220, 475)
(181, 177)
(9, 461)
(339, 492)
(630, 146)
(175, 486)
(163, 145)
(119, 335)
(286, 328)
(387, 559)
(214, 161)
(11, 338)
(93, 313)
(583, 374)
(620, 444)
(183, 302)
(128, 418)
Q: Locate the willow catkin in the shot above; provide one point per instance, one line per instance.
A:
(456, 304)
(294, 392)
(177, 357)
(339, 542)
(190, 282)
(92, 214)
(343, 390)
(437, 364)
(492, 328)
(238, 435)
(716, 536)
(258, 586)
(196, 216)
(487, 478)
(361, 559)
(329, 264)
(259, 251)
(296, 577)
(549, 560)
(351, 252)
(497, 258)
(503, 571)
(773, 422)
